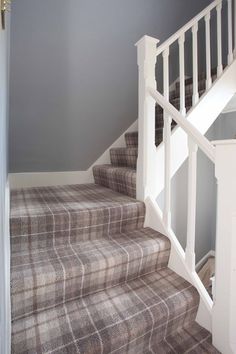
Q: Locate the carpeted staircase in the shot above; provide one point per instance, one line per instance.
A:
(88, 278)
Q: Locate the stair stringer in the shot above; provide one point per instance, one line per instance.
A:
(177, 262)
(202, 116)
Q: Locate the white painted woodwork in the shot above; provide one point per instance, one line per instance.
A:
(146, 167)
(187, 27)
(219, 40)
(213, 102)
(224, 310)
(196, 136)
(166, 141)
(195, 64)
(208, 52)
(181, 41)
(230, 33)
(192, 200)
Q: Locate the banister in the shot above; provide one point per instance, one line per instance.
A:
(186, 27)
(203, 143)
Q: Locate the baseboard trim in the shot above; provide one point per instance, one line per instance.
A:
(41, 179)
(211, 253)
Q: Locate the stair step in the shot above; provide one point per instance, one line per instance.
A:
(126, 157)
(131, 138)
(130, 318)
(63, 215)
(119, 179)
(45, 278)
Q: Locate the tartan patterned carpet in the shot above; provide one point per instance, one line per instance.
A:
(88, 278)
(112, 321)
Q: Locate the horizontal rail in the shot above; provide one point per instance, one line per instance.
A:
(203, 143)
(186, 27)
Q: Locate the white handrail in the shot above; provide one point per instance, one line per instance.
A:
(186, 27)
(203, 143)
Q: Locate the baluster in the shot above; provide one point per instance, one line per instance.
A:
(146, 172)
(208, 52)
(219, 40)
(166, 140)
(192, 189)
(182, 74)
(230, 33)
(195, 64)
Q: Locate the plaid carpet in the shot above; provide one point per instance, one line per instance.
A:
(56, 275)
(88, 278)
(55, 216)
(112, 321)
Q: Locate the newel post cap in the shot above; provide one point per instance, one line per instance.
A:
(147, 39)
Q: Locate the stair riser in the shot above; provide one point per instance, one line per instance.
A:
(124, 183)
(132, 138)
(124, 157)
(77, 273)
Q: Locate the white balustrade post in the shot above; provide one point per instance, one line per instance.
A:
(208, 52)
(192, 200)
(195, 64)
(230, 33)
(224, 309)
(219, 40)
(167, 141)
(146, 119)
(182, 74)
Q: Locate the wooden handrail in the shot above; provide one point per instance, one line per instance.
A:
(203, 143)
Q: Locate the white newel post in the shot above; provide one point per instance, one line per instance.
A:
(224, 309)
(147, 47)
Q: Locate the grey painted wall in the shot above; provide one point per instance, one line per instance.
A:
(73, 84)
(5, 313)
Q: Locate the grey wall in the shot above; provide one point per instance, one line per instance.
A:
(5, 314)
(73, 84)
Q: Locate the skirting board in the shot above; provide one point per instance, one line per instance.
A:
(204, 259)
(40, 179)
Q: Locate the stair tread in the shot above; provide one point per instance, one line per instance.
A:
(59, 215)
(48, 277)
(151, 307)
(120, 179)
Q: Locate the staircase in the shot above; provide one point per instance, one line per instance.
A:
(87, 277)
(95, 270)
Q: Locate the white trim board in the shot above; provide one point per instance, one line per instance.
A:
(40, 179)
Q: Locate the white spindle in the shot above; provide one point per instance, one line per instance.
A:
(192, 189)
(146, 172)
(230, 33)
(219, 40)
(195, 63)
(208, 52)
(166, 140)
(182, 74)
